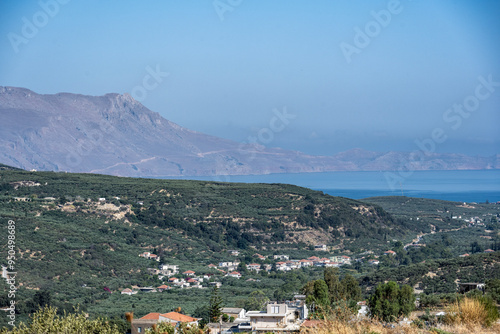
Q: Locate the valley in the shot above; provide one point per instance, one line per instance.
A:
(79, 237)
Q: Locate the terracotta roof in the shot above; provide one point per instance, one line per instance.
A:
(163, 287)
(151, 316)
(188, 272)
(178, 317)
(127, 290)
(235, 273)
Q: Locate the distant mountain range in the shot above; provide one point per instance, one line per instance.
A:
(114, 134)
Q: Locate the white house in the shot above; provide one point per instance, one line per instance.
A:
(306, 263)
(253, 266)
(236, 312)
(276, 318)
(169, 269)
(151, 256)
(363, 309)
(234, 274)
(128, 291)
(281, 266)
(4, 272)
(320, 248)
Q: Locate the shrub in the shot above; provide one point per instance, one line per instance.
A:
(46, 320)
(162, 327)
(472, 312)
(390, 302)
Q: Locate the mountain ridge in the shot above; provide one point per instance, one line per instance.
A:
(115, 134)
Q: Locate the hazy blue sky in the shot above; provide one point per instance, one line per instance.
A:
(232, 62)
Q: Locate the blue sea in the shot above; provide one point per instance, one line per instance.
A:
(462, 186)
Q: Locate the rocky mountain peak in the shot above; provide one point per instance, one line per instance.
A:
(115, 134)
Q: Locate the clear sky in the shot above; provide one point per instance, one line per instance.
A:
(371, 74)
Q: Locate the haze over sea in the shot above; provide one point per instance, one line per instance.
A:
(461, 186)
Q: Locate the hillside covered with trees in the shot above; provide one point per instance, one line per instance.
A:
(79, 236)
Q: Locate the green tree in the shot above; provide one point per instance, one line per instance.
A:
(202, 312)
(42, 298)
(475, 247)
(320, 295)
(335, 289)
(351, 288)
(345, 289)
(256, 301)
(493, 289)
(390, 302)
(215, 305)
(308, 288)
(406, 300)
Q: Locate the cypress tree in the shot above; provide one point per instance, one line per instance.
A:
(215, 305)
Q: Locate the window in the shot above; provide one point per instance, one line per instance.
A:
(139, 329)
(275, 309)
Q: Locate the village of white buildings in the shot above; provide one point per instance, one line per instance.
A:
(289, 316)
(188, 279)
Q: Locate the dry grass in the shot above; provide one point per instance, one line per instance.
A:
(469, 315)
(373, 327)
(471, 329)
(343, 321)
(468, 312)
(360, 327)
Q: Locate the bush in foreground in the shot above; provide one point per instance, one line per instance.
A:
(376, 327)
(346, 322)
(472, 312)
(46, 320)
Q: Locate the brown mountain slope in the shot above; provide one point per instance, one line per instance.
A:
(114, 134)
